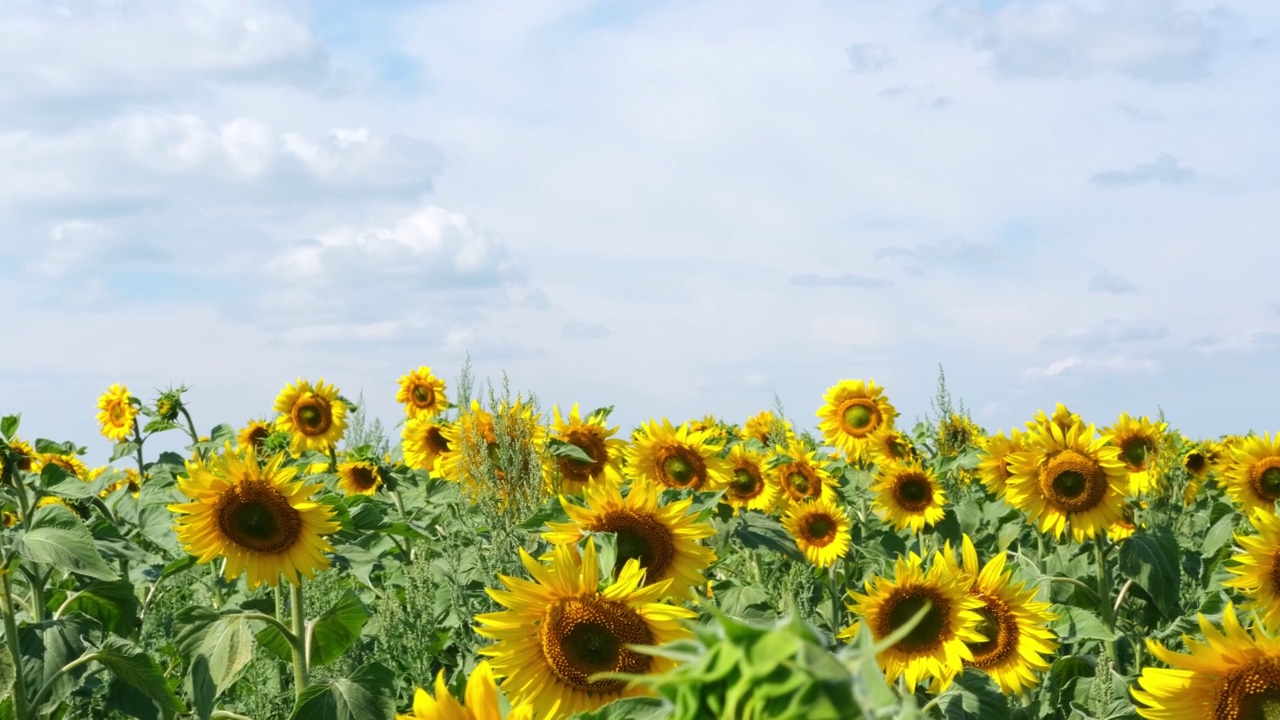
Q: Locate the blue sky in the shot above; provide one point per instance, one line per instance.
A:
(675, 208)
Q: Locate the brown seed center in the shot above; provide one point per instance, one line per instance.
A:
(585, 635)
(257, 517)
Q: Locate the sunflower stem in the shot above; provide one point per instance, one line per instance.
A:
(278, 592)
(299, 638)
(138, 439)
(333, 459)
(11, 641)
(832, 586)
(1104, 595)
(191, 426)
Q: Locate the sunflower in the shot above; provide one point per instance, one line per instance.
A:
(314, 416)
(130, 480)
(1070, 478)
(481, 701)
(767, 428)
(1199, 462)
(254, 435)
(821, 530)
(424, 442)
(1253, 477)
(799, 474)
(666, 456)
(70, 463)
(938, 646)
(751, 487)
(594, 439)
(1233, 675)
(662, 538)
(957, 432)
(1062, 417)
(1258, 566)
(853, 411)
(116, 413)
(560, 629)
(1139, 443)
(422, 393)
(908, 495)
(259, 518)
(1125, 527)
(890, 445)
(993, 465)
(22, 455)
(359, 478)
(1018, 642)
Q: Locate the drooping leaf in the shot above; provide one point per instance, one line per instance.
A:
(337, 628)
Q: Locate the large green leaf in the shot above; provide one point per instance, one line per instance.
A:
(57, 537)
(1150, 559)
(110, 602)
(1074, 624)
(46, 647)
(132, 665)
(337, 628)
(369, 694)
(9, 425)
(974, 696)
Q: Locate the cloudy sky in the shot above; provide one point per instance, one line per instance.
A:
(673, 207)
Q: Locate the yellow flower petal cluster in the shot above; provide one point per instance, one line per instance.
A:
(314, 416)
(116, 413)
(993, 463)
(851, 412)
(1139, 441)
(481, 701)
(821, 530)
(908, 495)
(422, 394)
(766, 427)
(751, 486)
(669, 457)
(1253, 475)
(1257, 566)
(359, 478)
(800, 474)
(593, 438)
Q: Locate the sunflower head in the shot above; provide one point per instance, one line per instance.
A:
(1062, 417)
(908, 495)
(254, 435)
(800, 474)
(1253, 476)
(314, 416)
(70, 463)
(423, 441)
(595, 440)
(169, 404)
(890, 445)
(993, 463)
(851, 412)
(681, 458)
(560, 630)
(751, 486)
(938, 645)
(820, 529)
(1139, 441)
(359, 478)
(1068, 478)
(1257, 566)
(116, 413)
(957, 432)
(481, 700)
(422, 393)
(767, 428)
(22, 456)
(256, 517)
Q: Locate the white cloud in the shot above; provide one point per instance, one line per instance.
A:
(1103, 365)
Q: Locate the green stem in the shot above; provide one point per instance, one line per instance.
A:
(1104, 594)
(299, 641)
(833, 587)
(278, 592)
(217, 586)
(36, 581)
(20, 710)
(333, 459)
(191, 426)
(48, 686)
(1093, 595)
(138, 439)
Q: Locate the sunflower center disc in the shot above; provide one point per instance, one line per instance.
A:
(583, 636)
(423, 395)
(927, 634)
(914, 492)
(436, 440)
(640, 537)
(117, 414)
(592, 446)
(312, 417)
(821, 529)
(1195, 463)
(1000, 628)
(1070, 484)
(1270, 481)
(257, 436)
(858, 416)
(362, 477)
(1135, 453)
(798, 482)
(1251, 692)
(257, 517)
(678, 470)
(745, 485)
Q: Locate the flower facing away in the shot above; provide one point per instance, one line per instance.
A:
(851, 412)
(937, 647)
(993, 465)
(314, 416)
(258, 518)
(422, 394)
(254, 435)
(664, 539)
(671, 457)
(116, 413)
(1234, 674)
(820, 529)
(359, 478)
(560, 629)
(481, 701)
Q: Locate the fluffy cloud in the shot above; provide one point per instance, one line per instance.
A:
(1165, 170)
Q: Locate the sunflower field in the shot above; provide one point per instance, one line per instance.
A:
(488, 559)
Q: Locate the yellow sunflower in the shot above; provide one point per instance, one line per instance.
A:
(559, 629)
(130, 480)
(258, 518)
(1258, 566)
(890, 445)
(359, 478)
(424, 442)
(667, 456)
(1018, 642)
(1253, 477)
(908, 495)
(821, 530)
(1125, 527)
(1234, 674)
(22, 455)
(751, 486)
(664, 539)
(853, 410)
(314, 416)
(422, 393)
(1071, 478)
(993, 465)
(957, 432)
(593, 438)
(938, 646)
(1062, 417)
(481, 701)
(710, 425)
(116, 413)
(1199, 461)
(1139, 442)
(254, 435)
(767, 428)
(72, 464)
(799, 474)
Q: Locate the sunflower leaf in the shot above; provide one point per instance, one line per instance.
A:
(337, 628)
(368, 693)
(1149, 559)
(57, 537)
(9, 425)
(134, 666)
